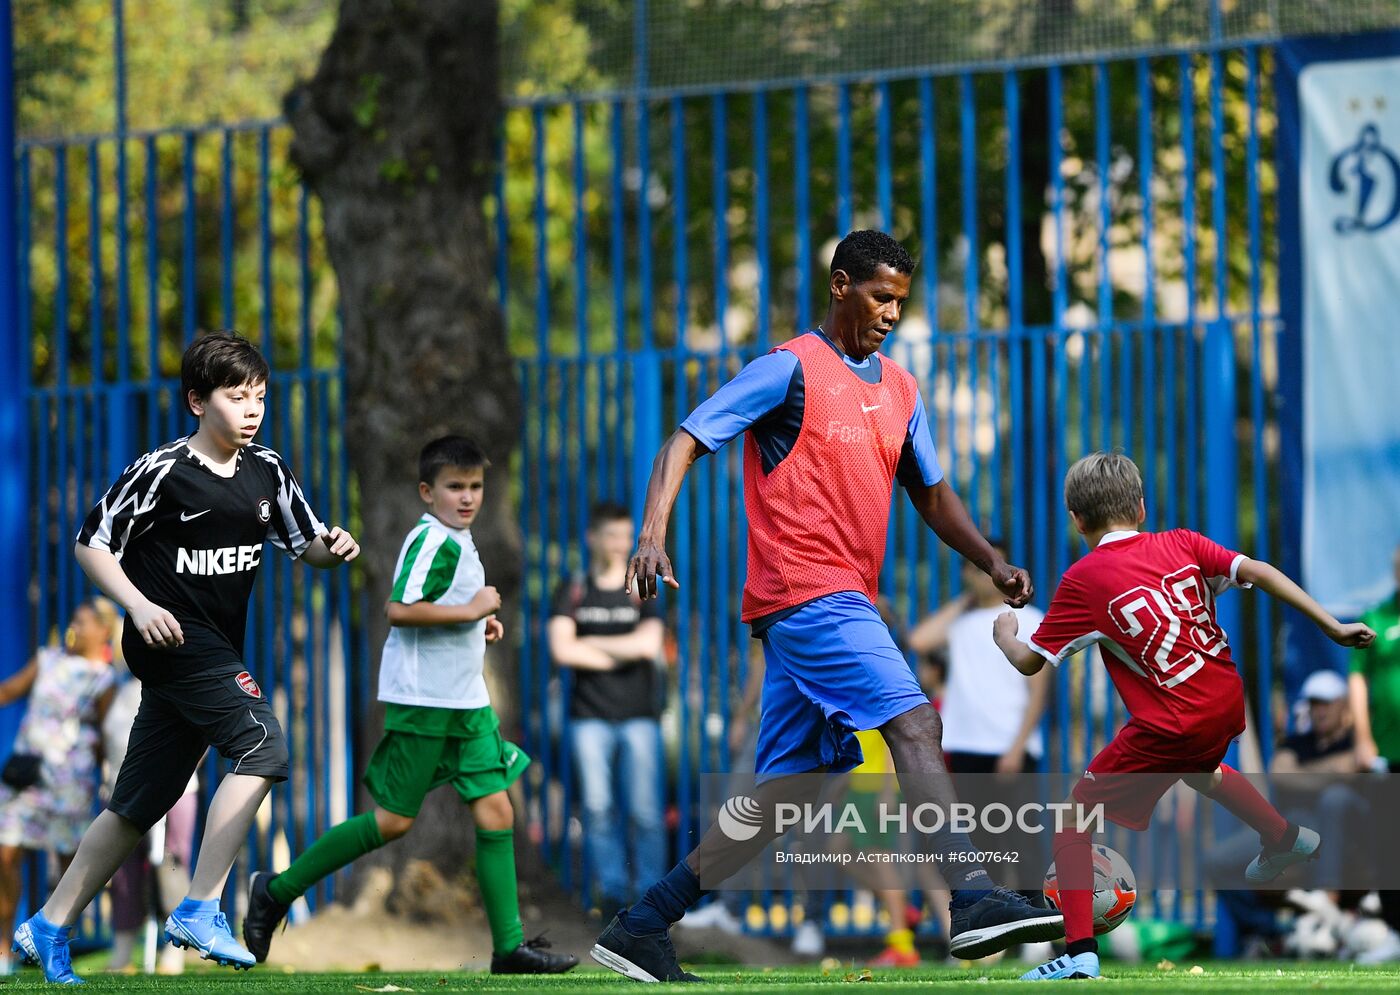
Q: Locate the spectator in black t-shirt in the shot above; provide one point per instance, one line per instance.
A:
(612, 641)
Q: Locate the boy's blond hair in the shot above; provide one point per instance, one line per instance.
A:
(1102, 489)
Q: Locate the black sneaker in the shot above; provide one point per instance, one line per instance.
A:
(264, 915)
(641, 958)
(531, 958)
(1001, 918)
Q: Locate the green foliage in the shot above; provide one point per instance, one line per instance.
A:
(742, 43)
(188, 61)
(550, 45)
(50, 49)
(366, 107)
(395, 170)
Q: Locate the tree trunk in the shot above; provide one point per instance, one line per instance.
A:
(394, 134)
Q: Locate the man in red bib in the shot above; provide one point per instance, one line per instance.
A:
(829, 425)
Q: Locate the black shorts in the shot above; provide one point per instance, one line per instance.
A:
(222, 707)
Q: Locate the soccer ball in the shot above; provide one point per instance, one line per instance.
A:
(1115, 889)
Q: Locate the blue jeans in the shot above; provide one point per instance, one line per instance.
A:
(607, 754)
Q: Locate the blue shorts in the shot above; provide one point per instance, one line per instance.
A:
(831, 668)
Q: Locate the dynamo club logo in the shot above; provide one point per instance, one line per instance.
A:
(1369, 174)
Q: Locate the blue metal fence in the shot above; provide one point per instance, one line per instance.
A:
(118, 271)
(671, 236)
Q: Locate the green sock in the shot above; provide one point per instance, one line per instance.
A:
(495, 873)
(336, 847)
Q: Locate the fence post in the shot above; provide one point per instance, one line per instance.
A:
(14, 386)
(646, 422)
(1222, 521)
(1222, 450)
(646, 364)
(119, 398)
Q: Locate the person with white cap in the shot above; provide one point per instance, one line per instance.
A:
(1326, 746)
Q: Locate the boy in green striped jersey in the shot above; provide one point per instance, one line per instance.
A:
(439, 727)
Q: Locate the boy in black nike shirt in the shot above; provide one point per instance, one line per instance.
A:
(177, 541)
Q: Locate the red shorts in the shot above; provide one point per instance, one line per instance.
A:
(1132, 773)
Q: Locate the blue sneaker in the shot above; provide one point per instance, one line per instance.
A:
(40, 942)
(1065, 968)
(201, 926)
(984, 922)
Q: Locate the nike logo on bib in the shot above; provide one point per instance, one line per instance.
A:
(867, 408)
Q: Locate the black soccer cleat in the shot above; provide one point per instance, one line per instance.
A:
(1001, 918)
(651, 957)
(264, 915)
(531, 957)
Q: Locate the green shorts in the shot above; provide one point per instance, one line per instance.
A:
(470, 755)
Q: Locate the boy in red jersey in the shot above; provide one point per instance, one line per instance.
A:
(1148, 599)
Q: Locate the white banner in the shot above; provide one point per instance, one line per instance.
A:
(1349, 189)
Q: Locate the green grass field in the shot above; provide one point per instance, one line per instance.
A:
(1219, 977)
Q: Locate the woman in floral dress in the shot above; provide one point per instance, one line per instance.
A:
(69, 689)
